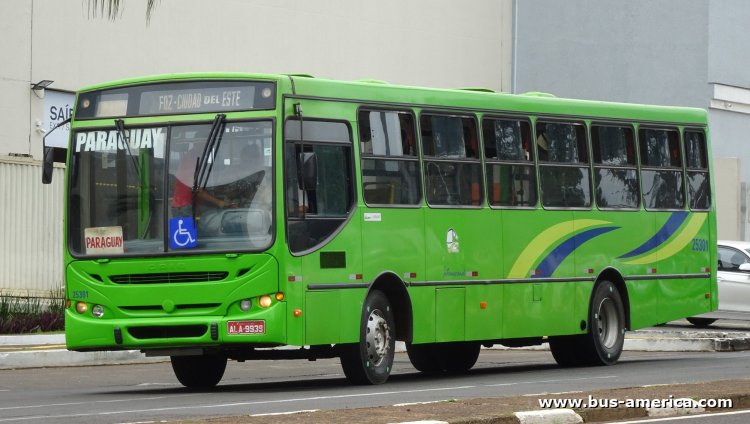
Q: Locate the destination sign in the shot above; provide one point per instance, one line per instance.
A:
(197, 100)
(176, 98)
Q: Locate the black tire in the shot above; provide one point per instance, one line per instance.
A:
(199, 372)
(565, 350)
(424, 358)
(433, 358)
(701, 322)
(370, 361)
(460, 357)
(602, 344)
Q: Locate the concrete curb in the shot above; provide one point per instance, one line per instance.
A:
(66, 358)
(557, 416)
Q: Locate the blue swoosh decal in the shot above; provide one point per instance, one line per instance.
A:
(673, 223)
(550, 263)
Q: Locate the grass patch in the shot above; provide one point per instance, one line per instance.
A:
(29, 314)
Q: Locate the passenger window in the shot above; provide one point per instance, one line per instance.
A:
(453, 171)
(661, 169)
(615, 171)
(390, 165)
(318, 180)
(563, 170)
(696, 160)
(511, 178)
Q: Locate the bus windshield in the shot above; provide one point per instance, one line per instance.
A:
(134, 191)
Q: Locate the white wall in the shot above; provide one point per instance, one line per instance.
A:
(439, 43)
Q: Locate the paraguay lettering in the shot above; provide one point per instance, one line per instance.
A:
(102, 141)
(103, 242)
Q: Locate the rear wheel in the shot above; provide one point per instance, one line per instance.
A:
(370, 361)
(602, 344)
(701, 322)
(455, 357)
(199, 372)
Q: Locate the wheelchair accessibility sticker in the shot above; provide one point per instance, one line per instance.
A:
(182, 233)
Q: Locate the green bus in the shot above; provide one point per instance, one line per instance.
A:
(218, 216)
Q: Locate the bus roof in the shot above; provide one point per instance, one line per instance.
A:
(376, 91)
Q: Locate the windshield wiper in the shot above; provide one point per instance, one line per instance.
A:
(120, 125)
(203, 166)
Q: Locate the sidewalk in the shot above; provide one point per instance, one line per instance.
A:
(48, 350)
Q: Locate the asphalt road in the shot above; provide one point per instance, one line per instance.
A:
(150, 392)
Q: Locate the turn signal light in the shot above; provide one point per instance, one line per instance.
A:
(81, 307)
(279, 296)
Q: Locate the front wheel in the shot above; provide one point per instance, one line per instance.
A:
(370, 361)
(199, 372)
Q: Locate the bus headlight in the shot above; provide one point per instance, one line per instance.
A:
(264, 301)
(97, 311)
(81, 307)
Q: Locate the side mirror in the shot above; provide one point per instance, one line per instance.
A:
(745, 267)
(49, 154)
(48, 161)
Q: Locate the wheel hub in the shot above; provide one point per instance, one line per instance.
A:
(607, 323)
(378, 337)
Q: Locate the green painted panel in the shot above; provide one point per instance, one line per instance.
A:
(450, 319)
(484, 312)
(322, 317)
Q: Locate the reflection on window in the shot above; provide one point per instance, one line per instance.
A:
(511, 178)
(661, 169)
(562, 143)
(390, 164)
(660, 148)
(566, 187)
(696, 160)
(564, 173)
(615, 173)
(664, 189)
(453, 172)
(319, 190)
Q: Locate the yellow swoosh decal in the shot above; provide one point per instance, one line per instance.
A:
(677, 244)
(522, 267)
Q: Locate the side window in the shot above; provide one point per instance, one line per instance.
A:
(318, 180)
(696, 162)
(730, 259)
(453, 171)
(390, 163)
(661, 169)
(615, 169)
(511, 178)
(563, 164)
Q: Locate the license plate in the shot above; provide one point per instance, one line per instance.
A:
(246, 327)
